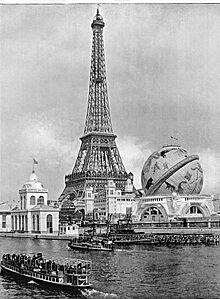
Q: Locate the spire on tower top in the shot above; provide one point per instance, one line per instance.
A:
(98, 19)
(98, 5)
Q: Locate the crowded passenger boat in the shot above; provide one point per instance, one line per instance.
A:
(92, 243)
(46, 271)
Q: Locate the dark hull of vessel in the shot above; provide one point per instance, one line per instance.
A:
(26, 278)
(84, 247)
(136, 242)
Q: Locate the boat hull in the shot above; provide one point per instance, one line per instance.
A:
(80, 247)
(26, 278)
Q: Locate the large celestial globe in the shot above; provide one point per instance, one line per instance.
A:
(171, 170)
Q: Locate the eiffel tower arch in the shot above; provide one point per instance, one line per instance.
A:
(98, 158)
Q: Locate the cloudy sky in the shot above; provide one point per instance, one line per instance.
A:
(163, 73)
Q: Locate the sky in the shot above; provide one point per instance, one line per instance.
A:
(163, 74)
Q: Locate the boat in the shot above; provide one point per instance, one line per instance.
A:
(123, 227)
(67, 276)
(96, 244)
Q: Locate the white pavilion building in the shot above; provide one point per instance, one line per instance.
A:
(33, 214)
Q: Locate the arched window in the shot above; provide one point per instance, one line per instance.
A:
(49, 223)
(32, 200)
(153, 214)
(33, 222)
(25, 202)
(194, 210)
(40, 200)
(38, 223)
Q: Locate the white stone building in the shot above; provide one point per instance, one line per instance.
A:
(113, 202)
(67, 229)
(5, 217)
(33, 213)
(163, 208)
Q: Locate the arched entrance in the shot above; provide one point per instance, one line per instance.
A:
(195, 211)
(153, 214)
(50, 224)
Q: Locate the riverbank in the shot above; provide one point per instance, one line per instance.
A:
(34, 236)
(151, 230)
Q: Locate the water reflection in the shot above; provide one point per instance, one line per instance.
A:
(130, 272)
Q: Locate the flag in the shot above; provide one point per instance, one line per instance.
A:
(35, 161)
(173, 138)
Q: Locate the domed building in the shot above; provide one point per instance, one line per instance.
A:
(32, 193)
(33, 214)
(171, 184)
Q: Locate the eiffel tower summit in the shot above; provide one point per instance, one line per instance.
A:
(98, 159)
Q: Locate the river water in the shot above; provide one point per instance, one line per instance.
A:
(127, 273)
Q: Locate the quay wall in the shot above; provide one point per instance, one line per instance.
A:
(149, 230)
(34, 236)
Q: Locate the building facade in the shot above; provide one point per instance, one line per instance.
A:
(165, 208)
(5, 217)
(33, 214)
(67, 229)
(216, 202)
(111, 203)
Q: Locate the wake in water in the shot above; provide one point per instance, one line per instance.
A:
(120, 249)
(98, 294)
(32, 282)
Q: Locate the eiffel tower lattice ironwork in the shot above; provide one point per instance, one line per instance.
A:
(98, 158)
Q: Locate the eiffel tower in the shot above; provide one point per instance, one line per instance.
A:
(98, 158)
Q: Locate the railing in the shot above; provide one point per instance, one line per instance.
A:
(94, 174)
(157, 199)
(179, 197)
(177, 224)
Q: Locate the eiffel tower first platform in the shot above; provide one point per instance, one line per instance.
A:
(98, 159)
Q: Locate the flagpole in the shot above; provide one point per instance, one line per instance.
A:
(34, 162)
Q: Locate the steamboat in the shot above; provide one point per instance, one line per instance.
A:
(67, 276)
(95, 244)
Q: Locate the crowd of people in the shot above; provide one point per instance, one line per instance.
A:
(167, 239)
(37, 263)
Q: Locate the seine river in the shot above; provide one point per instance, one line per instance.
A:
(127, 273)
